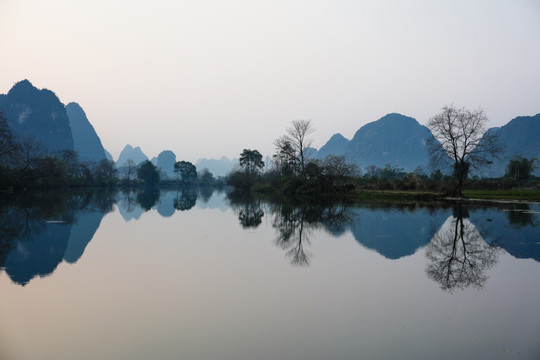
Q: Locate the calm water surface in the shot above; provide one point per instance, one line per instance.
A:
(196, 275)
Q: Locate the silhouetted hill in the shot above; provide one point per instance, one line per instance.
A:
(337, 145)
(85, 139)
(393, 139)
(521, 136)
(39, 114)
(219, 167)
(108, 155)
(165, 163)
(129, 152)
(312, 153)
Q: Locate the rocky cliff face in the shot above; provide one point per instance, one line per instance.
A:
(39, 114)
(85, 139)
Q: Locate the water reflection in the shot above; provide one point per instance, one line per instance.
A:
(521, 215)
(41, 231)
(462, 243)
(293, 232)
(248, 209)
(148, 198)
(514, 227)
(185, 199)
(397, 230)
(458, 256)
(128, 206)
(296, 224)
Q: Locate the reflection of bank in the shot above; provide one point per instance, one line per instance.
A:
(458, 257)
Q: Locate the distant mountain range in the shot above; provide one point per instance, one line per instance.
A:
(166, 159)
(394, 139)
(219, 167)
(401, 141)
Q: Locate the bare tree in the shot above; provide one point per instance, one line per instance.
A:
(461, 135)
(458, 255)
(297, 138)
(129, 169)
(8, 143)
(71, 158)
(28, 152)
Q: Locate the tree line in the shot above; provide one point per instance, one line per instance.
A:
(26, 164)
(460, 143)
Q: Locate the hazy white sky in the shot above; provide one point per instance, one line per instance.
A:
(208, 78)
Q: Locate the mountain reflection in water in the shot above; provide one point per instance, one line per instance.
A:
(461, 242)
(39, 232)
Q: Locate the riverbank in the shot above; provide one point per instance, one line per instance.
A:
(532, 195)
(528, 195)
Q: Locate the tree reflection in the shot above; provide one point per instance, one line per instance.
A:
(185, 199)
(129, 201)
(248, 209)
(521, 215)
(206, 193)
(250, 215)
(295, 225)
(148, 198)
(293, 233)
(458, 255)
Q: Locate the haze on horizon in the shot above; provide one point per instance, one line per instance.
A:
(209, 78)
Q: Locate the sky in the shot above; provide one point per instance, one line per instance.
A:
(209, 78)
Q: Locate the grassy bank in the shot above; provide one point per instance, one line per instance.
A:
(403, 195)
(505, 195)
(513, 194)
(396, 195)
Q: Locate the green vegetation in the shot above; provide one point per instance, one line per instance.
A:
(520, 168)
(460, 137)
(27, 165)
(510, 194)
(186, 172)
(148, 173)
(294, 174)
